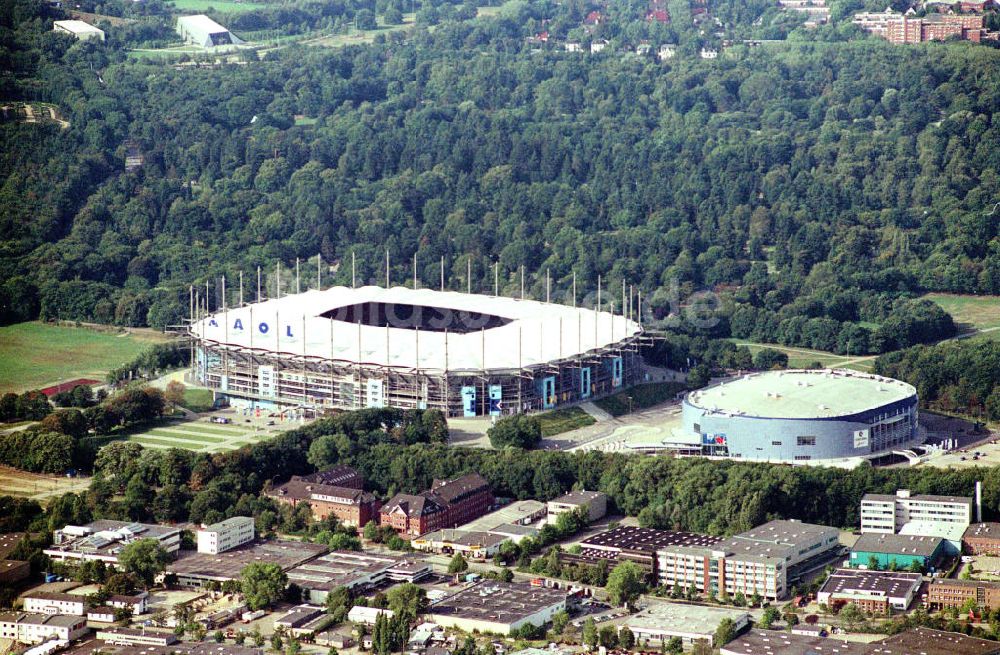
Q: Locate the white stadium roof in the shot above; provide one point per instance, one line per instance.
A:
(536, 333)
(801, 394)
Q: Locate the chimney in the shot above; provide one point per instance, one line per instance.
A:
(979, 501)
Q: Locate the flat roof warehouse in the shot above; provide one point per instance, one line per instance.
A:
(801, 394)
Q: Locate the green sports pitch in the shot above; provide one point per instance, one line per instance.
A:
(199, 435)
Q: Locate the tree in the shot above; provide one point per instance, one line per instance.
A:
(517, 431)
(219, 637)
(145, 559)
(262, 584)
(393, 16)
(457, 564)
(625, 583)
(590, 637)
(364, 19)
(338, 603)
(407, 600)
(725, 632)
(174, 393)
(607, 636)
(767, 359)
(771, 614)
(559, 622)
(626, 638)
(851, 615)
(674, 646)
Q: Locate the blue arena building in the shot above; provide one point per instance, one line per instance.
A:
(799, 416)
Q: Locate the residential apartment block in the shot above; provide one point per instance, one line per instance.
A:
(899, 28)
(447, 504)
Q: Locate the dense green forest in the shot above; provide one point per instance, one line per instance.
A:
(818, 186)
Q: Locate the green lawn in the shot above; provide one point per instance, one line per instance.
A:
(198, 400)
(642, 396)
(804, 357)
(222, 6)
(35, 355)
(563, 420)
(969, 312)
(189, 434)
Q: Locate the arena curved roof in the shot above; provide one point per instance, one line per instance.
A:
(501, 333)
(800, 394)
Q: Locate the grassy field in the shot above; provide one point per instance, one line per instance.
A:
(970, 312)
(563, 420)
(198, 400)
(38, 486)
(804, 357)
(642, 396)
(34, 355)
(222, 6)
(362, 36)
(199, 435)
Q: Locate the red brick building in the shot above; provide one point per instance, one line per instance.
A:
(982, 539)
(934, 27)
(447, 504)
(352, 506)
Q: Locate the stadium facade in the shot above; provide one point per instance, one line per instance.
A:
(801, 415)
(465, 354)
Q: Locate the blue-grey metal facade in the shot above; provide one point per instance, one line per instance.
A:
(880, 430)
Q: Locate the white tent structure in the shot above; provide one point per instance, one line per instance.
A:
(202, 31)
(78, 29)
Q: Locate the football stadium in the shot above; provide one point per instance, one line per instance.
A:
(465, 354)
(800, 415)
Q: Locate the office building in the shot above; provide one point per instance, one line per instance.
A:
(872, 591)
(982, 539)
(764, 561)
(447, 504)
(349, 504)
(594, 502)
(226, 535)
(887, 514)
(945, 592)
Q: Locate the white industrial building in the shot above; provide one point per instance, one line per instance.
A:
(661, 621)
(226, 535)
(104, 540)
(595, 502)
(47, 602)
(27, 628)
(367, 615)
(202, 31)
(497, 607)
(78, 30)
(917, 514)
